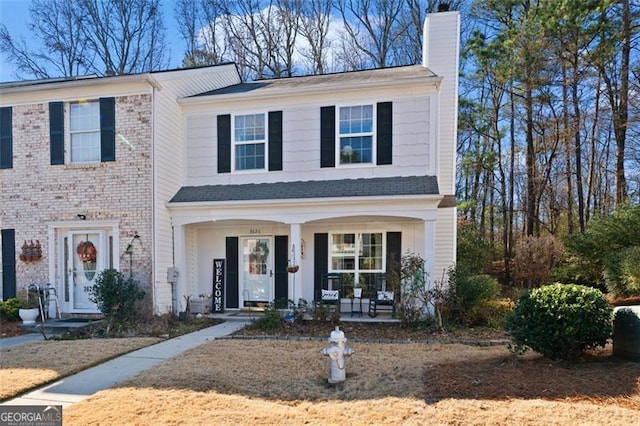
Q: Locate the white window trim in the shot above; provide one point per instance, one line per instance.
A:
(68, 133)
(234, 143)
(374, 126)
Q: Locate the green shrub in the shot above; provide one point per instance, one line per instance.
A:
(9, 309)
(465, 292)
(116, 296)
(622, 272)
(271, 319)
(491, 313)
(474, 253)
(561, 321)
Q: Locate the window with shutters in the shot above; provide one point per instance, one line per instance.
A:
(84, 131)
(356, 134)
(249, 141)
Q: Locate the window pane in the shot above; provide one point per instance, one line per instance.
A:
(249, 127)
(84, 116)
(371, 252)
(356, 119)
(343, 251)
(85, 147)
(355, 150)
(250, 156)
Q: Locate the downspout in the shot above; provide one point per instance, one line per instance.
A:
(155, 87)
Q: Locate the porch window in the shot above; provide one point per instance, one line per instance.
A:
(360, 258)
(356, 134)
(84, 129)
(249, 141)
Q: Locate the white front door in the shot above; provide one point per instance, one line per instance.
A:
(88, 256)
(256, 279)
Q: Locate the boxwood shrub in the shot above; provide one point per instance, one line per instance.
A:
(561, 321)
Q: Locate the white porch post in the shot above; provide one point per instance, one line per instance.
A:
(58, 285)
(429, 253)
(295, 282)
(180, 264)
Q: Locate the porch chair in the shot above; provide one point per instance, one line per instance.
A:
(330, 291)
(382, 299)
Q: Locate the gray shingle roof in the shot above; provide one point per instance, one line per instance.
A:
(411, 185)
(392, 74)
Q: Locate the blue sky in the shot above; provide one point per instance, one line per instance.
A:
(15, 14)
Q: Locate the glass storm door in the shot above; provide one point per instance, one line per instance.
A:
(87, 256)
(257, 271)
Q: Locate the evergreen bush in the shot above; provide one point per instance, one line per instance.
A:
(561, 321)
(116, 296)
(9, 309)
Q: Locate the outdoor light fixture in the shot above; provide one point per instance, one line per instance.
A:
(82, 216)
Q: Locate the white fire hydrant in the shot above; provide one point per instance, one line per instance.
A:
(337, 353)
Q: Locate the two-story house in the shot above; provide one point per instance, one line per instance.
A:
(195, 183)
(339, 174)
(83, 177)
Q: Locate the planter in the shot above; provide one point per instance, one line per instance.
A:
(29, 315)
(292, 269)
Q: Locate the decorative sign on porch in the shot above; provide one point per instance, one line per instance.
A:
(218, 285)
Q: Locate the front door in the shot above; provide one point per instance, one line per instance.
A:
(87, 257)
(257, 271)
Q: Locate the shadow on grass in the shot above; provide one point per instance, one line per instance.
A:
(599, 378)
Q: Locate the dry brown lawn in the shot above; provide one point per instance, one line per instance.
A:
(230, 382)
(31, 365)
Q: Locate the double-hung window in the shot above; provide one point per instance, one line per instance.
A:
(84, 130)
(356, 134)
(359, 257)
(249, 141)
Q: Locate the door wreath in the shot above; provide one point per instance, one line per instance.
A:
(87, 253)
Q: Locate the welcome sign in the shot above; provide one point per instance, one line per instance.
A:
(218, 285)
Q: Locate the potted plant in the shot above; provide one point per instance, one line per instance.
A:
(30, 305)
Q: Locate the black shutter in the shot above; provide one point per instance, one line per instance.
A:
(320, 261)
(8, 263)
(56, 132)
(281, 261)
(384, 133)
(224, 143)
(328, 136)
(275, 140)
(394, 251)
(231, 292)
(6, 138)
(107, 129)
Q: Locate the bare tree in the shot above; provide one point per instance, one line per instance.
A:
(314, 28)
(89, 36)
(64, 52)
(126, 35)
(372, 27)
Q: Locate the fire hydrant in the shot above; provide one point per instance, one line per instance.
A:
(337, 353)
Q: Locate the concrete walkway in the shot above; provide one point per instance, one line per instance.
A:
(82, 385)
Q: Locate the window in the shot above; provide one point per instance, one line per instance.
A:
(84, 129)
(359, 257)
(356, 134)
(249, 141)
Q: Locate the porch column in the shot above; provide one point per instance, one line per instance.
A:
(58, 285)
(180, 264)
(429, 253)
(295, 280)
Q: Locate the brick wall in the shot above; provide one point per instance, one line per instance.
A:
(35, 194)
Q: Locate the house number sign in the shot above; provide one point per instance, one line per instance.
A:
(255, 231)
(218, 285)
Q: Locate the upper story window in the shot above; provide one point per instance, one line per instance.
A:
(356, 134)
(84, 131)
(249, 141)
